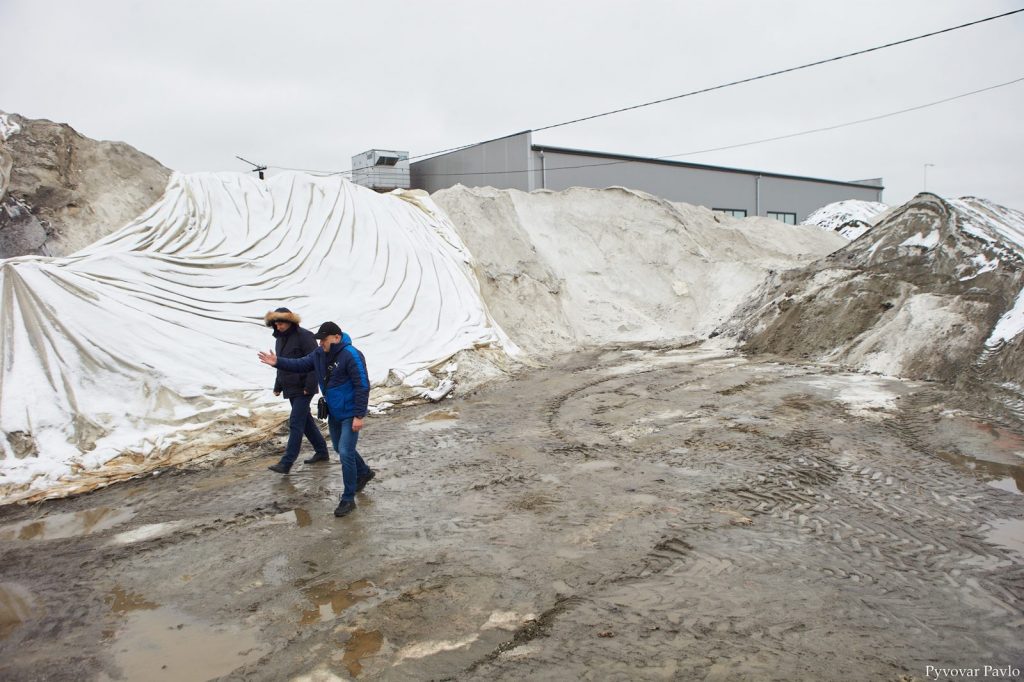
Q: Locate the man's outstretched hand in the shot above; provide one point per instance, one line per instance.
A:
(267, 358)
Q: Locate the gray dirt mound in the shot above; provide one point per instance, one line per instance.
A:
(60, 191)
(928, 293)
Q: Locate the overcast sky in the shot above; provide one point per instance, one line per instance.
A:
(310, 84)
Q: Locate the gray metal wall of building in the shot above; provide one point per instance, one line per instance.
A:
(513, 163)
(714, 189)
(479, 166)
(723, 189)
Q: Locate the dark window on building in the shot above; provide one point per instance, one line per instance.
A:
(386, 160)
(788, 218)
(734, 212)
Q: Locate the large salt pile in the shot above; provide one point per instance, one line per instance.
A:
(560, 270)
(933, 291)
(139, 350)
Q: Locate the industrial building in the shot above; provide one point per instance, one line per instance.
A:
(381, 169)
(515, 162)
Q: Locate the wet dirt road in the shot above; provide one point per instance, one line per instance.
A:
(626, 514)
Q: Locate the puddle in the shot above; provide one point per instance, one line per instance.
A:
(300, 517)
(329, 601)
(438, 419)
(988, 450)
(861, 395)
(146, 532)
(69, 525)
(16, 607)
(121, 601)
(1008, 533)
(1008, 484)
(361, 645)
(166, 644)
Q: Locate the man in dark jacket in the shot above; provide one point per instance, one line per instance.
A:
(292, 341)
(341, 370)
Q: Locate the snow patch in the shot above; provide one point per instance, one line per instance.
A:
(833, 216)
(929, 242)
(1009, 325)
(990, 222)
(8, 127)
(981, 265)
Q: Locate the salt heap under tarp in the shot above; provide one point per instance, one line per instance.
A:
(562, 270)
(935, 291)
(140, 350)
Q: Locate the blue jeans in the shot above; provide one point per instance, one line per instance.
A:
(300, 424)
(352, 465)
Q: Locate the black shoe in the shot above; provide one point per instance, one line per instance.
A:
(317, 458)
(280, 468)
(345, 507)
(363, 480)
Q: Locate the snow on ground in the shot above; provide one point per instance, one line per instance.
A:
(125, 354)
(834, 217)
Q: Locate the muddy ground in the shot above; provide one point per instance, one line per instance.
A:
(625, 514)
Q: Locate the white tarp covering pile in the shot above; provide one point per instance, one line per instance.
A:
(123, 355)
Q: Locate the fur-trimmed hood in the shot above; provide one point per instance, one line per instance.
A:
(281, 315)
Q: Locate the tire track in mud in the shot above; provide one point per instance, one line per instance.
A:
(871, 519)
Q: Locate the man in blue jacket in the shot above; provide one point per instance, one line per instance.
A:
(341, 371)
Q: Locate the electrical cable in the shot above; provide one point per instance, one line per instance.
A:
(744, 144)
(697, 92)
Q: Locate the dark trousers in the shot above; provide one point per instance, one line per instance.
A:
(353, 467)
(301, 423)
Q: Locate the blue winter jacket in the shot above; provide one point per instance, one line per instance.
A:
(348, 391)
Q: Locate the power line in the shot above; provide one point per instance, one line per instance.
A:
(693, 93)
(748, 143)
(780, 72)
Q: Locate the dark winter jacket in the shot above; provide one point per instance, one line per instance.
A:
(295, 343)
(348, 390)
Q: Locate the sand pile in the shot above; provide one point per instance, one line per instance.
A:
(933, 291)
(561, 270)
(60, 191)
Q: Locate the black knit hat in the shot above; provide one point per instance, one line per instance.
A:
(327, 329)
